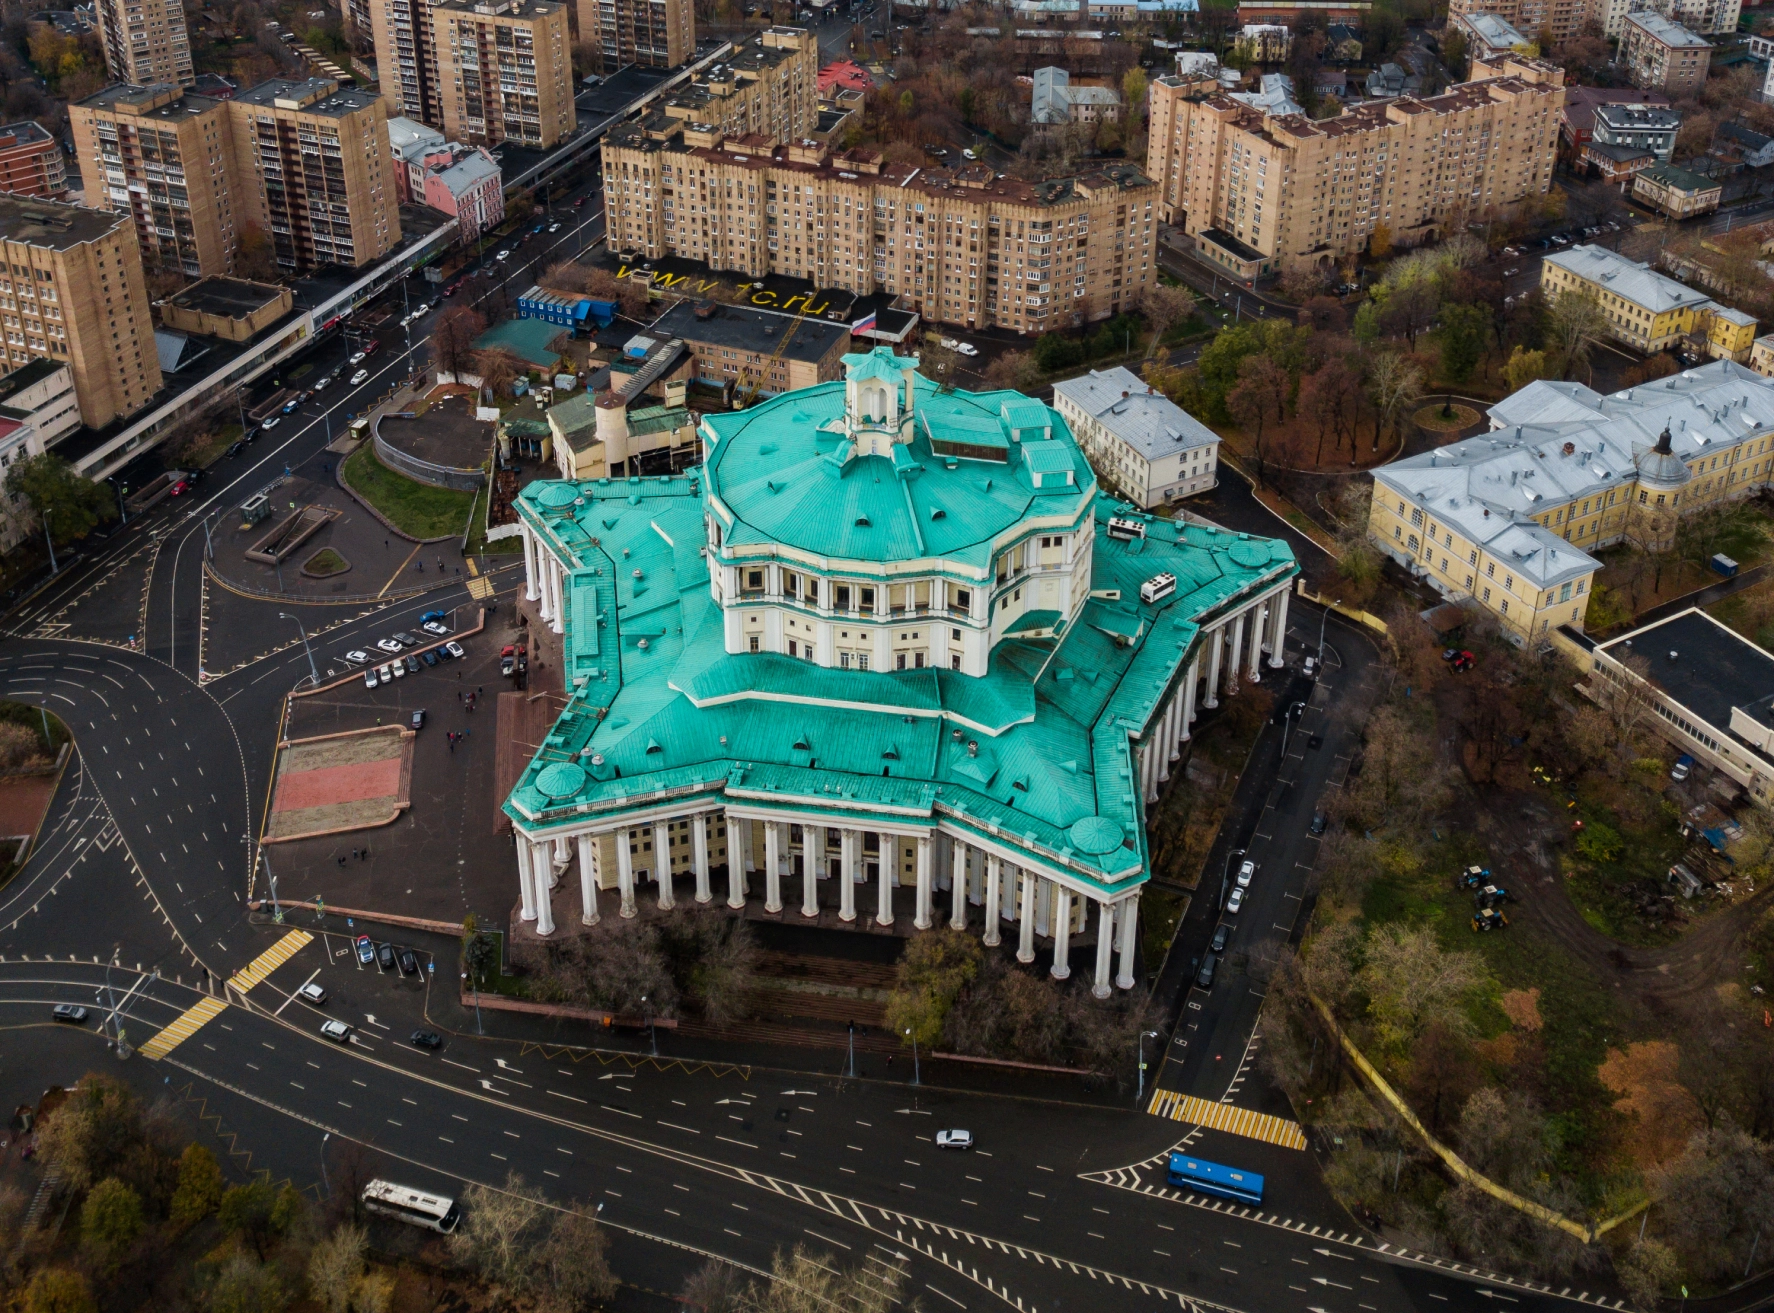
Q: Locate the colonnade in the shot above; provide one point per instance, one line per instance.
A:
(981, 885)
(544, 580)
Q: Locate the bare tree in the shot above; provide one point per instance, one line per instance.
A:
(453, 335)
(1258, 398)
(498, 368)
(1574, 325)
(1395, 382)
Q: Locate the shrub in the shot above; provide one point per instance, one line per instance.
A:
(936, 965)
(57, 1290)
(1600, 842)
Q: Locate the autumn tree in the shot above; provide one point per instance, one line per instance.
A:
(1395, 383)
(1398, 776)
(1165, 305)
(1413, 983)
(498, 368)
(629, 295)
(568, 276)
(1717, 1201)
(1258, 399)
(453, 335)
(1013, 369)
(936, 965)
(1574, 325)
(1331, 398)
(1524, 367)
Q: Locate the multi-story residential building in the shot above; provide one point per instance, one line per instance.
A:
(41, 394)
(322, 184)
(769, 89)
(1259, 192)
(504, 71)
(1576, 127)
(1708, 17)
(145, 41)
(960, 246)
(867, 644)
(1645, 310)
(1651, 128)
(1263, 43)
(31, 161)
(1056, 100)
(1142, 445)
(1736, 141)
(409, 142)
(1538, 19)
(467, 184)
(18, 441)
(1659, 52)
(651, 33)
(1679, 193)
(72, 290)
(165, 158)
(406, 59)
(1487, 35)
(1511, 519)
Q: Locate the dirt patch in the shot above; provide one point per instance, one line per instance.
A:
(352, 781)
(1436, 421)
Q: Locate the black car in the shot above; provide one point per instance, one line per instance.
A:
(412, 664)
(1222, 933)
(409, 964)
(385, 956)
(1204, 977)
(1319, 821)
(237, 448)
(429, 656)
(427, 1039)
(418, 719)
(404, 639)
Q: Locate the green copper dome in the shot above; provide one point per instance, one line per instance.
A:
(561, 780)
(1096, 835)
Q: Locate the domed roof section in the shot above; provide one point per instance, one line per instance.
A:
(556, 495)
(1660, 467)
(1096, 835)
(561, 780)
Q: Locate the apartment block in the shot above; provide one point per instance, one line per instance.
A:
(1536, 19)
(31, 161)
(164, 158)
(770, 89)
(504, 71)
(651, 33)
(1659, 52)
(145, 41)
(960, 246)
(1709, 17)
(321, 181)
(406, 64)
(72, 290)
(1260, 191)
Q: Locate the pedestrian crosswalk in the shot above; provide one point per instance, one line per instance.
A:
(480, 588)
(268, 961)
(183, 1027)
(1225, 1117)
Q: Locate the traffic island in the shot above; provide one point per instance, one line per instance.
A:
(336, 783)
(325, 564)
(416, 511)
(290, 533)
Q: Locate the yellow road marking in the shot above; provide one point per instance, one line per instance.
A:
(1226, 1117)
(480, 589)
(472, 571)
(268, 961)
(400, 567)
(185, 1025)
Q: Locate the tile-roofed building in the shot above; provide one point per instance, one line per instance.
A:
(878, 657)
(1140, 443)
(1514, 515)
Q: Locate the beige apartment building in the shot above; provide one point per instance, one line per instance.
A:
(1260, 192)
(1662, 54)
(166, 160)
(504, 71)
(1535, 19)
(651, 33)
(406, 67)
(960, 246)
(313, 171)
(72, 290)
(770, 88)
(1709, 17)
(145, 41)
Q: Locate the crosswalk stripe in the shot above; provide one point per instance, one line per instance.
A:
(268, 961)
(1246, 1122)
(183, 1026)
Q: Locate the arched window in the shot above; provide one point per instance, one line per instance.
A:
(873, 399)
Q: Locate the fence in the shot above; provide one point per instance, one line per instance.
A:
(438, 476)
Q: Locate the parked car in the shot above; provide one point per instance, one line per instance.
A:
(427, 1039)
(412, 663)
(404, 639)
(409, 962)
(1235, 904)
(429, 657)
(954, 1139)
(436, 627)
(323, 382)
(270, 424)
(1319, 821)
(399, 668)
(358, 357)
(237, 448)
(1222, 934)
(430, 616)
(388, 645)
(454, 649)
(1683, 765)
(290, 406)
(337, 1031)
(371, 677)
(311, 993)
(417, 721)
(366, 951)
(502, 255)
(385, 956)
(554, 227)
(385, 673)
(1247, 871)
(357, 656)
(1204, 977)
(72, 1013)
(359, 377)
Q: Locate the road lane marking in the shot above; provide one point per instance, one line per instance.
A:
(182, 1027)
(268, 961)
(1225, 1117)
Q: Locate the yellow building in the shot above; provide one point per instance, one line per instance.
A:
(1511, 519)
(1644, 309)
(769, 88)
(504, 71)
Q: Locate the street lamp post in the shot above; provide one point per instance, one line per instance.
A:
(323, 1178)
(50, 539)
(313, 673)
(276, 907)
(915, 1079)
(1144, 1036)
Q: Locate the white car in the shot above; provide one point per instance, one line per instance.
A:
(956, 1139)
(1235, 904)
(400, 669)
(554, 227)
(359, 377)
(358, 357)
(370, 677)
(1246, 873)
(385, 673)
(970, 153)
(503, 255)
(388, 645)
(337, 1031)
(949, 344)
(270, 424)
(323, 382)
(435, 627)
(311, 993)
(455, 649)
(967, 348)
(356, 656)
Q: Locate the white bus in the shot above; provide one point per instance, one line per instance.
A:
(432, 1211)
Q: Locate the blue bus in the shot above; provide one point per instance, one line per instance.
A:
(1213, 1178)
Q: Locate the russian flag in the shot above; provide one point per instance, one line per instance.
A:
(863, 325)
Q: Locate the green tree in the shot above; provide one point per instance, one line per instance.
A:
(110, 1221)
(1218, 366)
(74, 504)
(246, 1285)
(246, 1210)
(1461, 334)
(1600, 842)
(200, 1186)
(966, 102)
(936, 966)
(57, 1290)
(1523, 367)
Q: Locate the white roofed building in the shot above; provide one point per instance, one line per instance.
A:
(1139, 441)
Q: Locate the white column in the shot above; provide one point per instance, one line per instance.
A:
(699, 857)
(529, 565)
(563, 853)
(1165, 739)
(922, 919)
(1062, 931)
(772, 866)
(525, 876)
(1259, 621)
(1149, 760)
(812, 854)
(735, 862)
(1130, 922)
(889, 859)
(1216, 642)
(1278, 627)
(1189, 700)
(849, 857)
(560, 574)
(1233, 653)
(588, 914)
(544, 870)
(994, 897)
(957, 885)
(625, 873)
(662, 864)
(544, 571)
(1025, 951)
(1105, 941)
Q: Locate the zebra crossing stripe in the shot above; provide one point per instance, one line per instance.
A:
(1246, 1122)
(185, 1025)
(268, 961)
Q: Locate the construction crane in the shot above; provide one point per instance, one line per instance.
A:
(751, 382)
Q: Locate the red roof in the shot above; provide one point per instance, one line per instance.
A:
(844, 73)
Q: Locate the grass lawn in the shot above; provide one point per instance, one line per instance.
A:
(1161, 912)
(412, 507)
(324, 563)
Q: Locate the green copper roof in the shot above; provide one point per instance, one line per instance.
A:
(878, 363)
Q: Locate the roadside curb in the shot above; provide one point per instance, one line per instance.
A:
(1262, 493)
